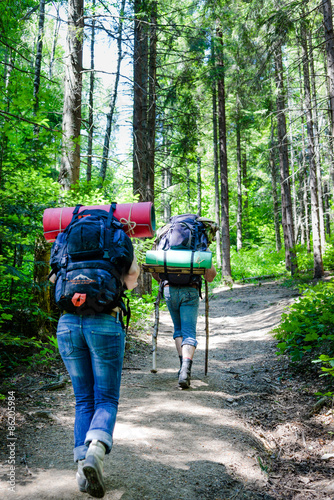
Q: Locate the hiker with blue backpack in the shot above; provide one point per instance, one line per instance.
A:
(92, 263)
(185, 238)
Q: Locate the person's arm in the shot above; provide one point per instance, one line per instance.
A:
(210, 274)
(130, 279)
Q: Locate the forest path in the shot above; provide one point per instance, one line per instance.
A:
(238, 433)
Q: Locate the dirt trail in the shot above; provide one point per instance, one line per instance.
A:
(241, 432)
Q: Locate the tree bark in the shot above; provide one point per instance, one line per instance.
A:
(225, 230)
(239, 186)
(199, 188)
(39, 50)
(91, 100)
(188, 185)
(245, 184)
(110, 115)
(292, 163)
(331, 131)
(273, 171)
(287, 216)
(317, 257)
(70, 162)
(140, 75)
(327, 208)
(317, 146)
(42, 284)
(329, 39)
(216, 167)
(54, 42)
(151, 117)
(303, 181)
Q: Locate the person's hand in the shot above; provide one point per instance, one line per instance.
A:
(210, 274)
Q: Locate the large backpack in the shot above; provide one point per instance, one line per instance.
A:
(184, 232)
(89, 259)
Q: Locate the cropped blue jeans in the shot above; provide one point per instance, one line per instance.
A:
(182, 303)
(92, 349)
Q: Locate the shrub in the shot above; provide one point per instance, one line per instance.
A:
(309, 324)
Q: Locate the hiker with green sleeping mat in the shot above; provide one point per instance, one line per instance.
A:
(181, 246)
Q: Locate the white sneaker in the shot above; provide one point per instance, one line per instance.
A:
(81, 479)
(93, 469)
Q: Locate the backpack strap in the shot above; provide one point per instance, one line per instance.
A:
(165, 262)
(109, 232)
(75, 213)
(192, 261)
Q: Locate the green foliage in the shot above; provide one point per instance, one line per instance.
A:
(256, 261)
(308, 326)
(13, 348)
(16, 350)
(328, 364)
(47, 355)
(328, 258)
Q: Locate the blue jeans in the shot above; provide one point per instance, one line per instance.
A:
(182, 303)
(92, 349)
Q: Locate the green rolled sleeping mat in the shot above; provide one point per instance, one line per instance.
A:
(179, 258)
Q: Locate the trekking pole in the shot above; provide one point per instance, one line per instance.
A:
(206, 327)
(155, 331)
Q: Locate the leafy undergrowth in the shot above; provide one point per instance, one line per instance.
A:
(306, 331)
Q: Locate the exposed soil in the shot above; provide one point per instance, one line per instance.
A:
(246, 430)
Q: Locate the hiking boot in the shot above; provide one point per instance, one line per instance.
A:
(185, 373)
(93, 469)
(178, 373)
(81, 479)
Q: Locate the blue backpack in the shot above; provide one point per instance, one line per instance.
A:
(184, 232)
(89, 259)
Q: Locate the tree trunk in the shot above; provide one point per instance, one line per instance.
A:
(54, 42)
(199, 188)
(110, 115)
(91, 100)
(188, 185)
(273, 170)
(292, 163)
(225, 230)
(303, 181)
(151, 117)
(216, 168)
(239, 187)
(167, 182)
(9, 65)
(317, 146)
(331, 131)
(42, 284)
(287, 217)
(140, 75)
(38, 59)
(329, 39)
(70, 162)
(318, 266)
(245, 184)
(327, 208)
